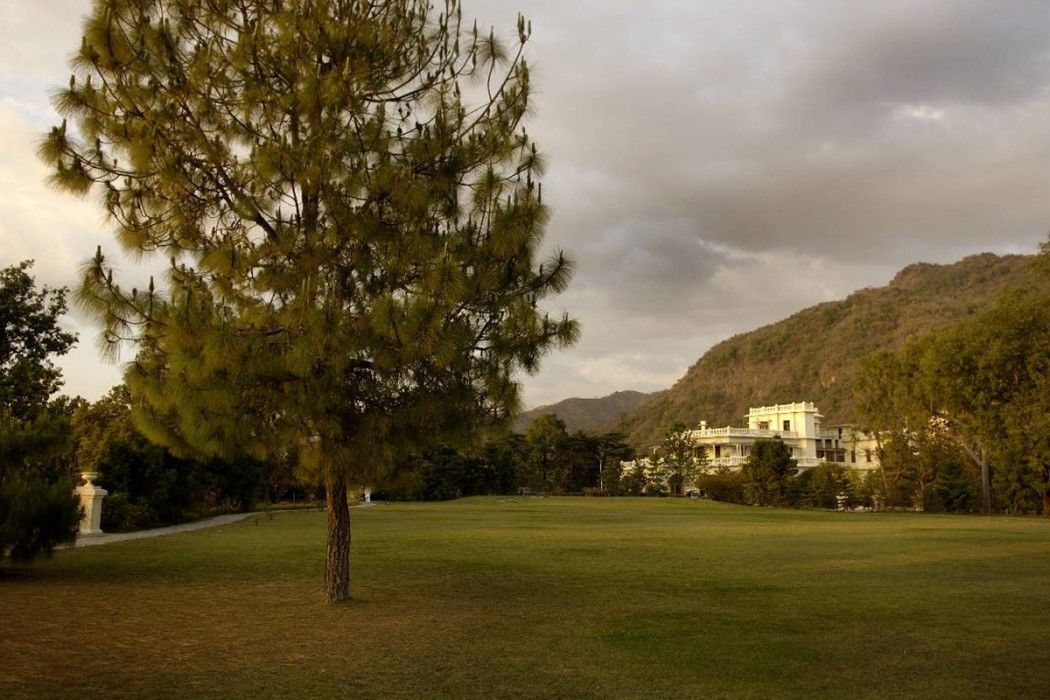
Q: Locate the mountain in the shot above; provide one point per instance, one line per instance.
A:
(815, 354)
(586, 414)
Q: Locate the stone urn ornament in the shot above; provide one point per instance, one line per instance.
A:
(91, 501)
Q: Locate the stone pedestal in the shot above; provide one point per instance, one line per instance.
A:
(91, 500)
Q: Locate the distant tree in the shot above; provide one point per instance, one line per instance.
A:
(31, 339)
(825, 483)
(766, 472)
(609, 450)
(37, 507)
(581, 463)
(893, 410)
(351, 208)
(98, 425)
(677, 455)
(633, 482)
(983, 385)
(546, 438)
(657, 475)
(505, 457)
(953, 489)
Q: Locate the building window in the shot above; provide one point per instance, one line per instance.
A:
(787, 425)
(853, 456)
(763, 425)
(867, 455)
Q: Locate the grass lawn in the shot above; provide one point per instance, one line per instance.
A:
(556, 597)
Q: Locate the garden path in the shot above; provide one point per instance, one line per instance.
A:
(109, 538)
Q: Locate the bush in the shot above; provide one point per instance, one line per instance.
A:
(953, 490)
(633, 483)
(724, 485)
(35, 516)
(119, 514)
(150, 487)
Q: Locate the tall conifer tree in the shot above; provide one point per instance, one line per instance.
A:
(349, 204)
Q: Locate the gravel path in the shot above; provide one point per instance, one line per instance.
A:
(161, 531)
(185, 527)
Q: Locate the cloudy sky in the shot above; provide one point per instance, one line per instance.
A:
(714, 165)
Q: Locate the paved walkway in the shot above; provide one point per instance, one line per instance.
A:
(161, 531)
(187, 527)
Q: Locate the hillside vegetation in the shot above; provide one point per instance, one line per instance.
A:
(815, 354)
(586, 414)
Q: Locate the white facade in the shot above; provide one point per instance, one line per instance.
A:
(799, 425)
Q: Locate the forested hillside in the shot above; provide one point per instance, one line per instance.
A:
(586, 414)
(815, 354)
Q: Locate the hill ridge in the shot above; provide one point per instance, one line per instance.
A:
(587, 414)
(814, 353)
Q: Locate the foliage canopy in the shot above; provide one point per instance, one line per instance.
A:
(350, 206)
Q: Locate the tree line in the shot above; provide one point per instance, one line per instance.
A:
(545, 459)
(969, 405)
(47, 440)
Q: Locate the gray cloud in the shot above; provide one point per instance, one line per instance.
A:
(714, 165)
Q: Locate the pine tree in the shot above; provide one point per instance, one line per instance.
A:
(767, 471)
(349, 204)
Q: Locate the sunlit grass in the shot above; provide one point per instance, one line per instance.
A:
(545, 597)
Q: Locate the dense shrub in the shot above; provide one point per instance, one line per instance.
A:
(954, 491)
(35, 515)
(723, 485)
(447, 473)
(821, 486)
(120, 514)
(150, 487)
(633, 483)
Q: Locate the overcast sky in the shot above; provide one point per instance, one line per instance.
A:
(714, 166)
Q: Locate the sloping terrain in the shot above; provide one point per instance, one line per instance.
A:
(814, 354)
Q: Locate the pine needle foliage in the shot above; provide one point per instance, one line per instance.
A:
(351, 212)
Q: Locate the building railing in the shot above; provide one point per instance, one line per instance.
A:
(735, 461)
(738, 461)
(783, 408)
(743, 433)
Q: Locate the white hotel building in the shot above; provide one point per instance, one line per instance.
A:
(798, 425)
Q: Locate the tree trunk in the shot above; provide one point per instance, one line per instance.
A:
(337, 554)
(1046, 490)
(980, 458)
(986, 484)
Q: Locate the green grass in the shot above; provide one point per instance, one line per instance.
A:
(545, 597)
